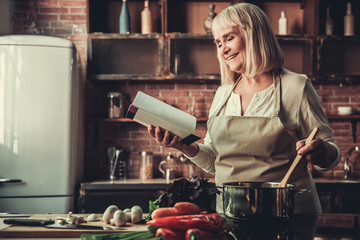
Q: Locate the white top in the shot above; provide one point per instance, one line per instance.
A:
(260, 105)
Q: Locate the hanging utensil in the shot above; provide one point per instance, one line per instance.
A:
(283, 182)
(111, 153)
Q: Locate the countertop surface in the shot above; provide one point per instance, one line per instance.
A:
(161, 183)
(302, 227)
(12, 231)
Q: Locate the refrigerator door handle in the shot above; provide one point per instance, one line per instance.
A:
(8, 180)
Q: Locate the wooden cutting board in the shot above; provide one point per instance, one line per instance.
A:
(11, 231)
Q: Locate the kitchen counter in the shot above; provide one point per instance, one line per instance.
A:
(156, 182)
(96, 196)
(336, 195)
(133, 183)
(12, 231)
(326, 227)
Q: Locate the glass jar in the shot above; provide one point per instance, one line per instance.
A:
(169, 167)
(146, 165)
(116, 104)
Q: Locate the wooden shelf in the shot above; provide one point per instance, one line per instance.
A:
(354, 118)
(343, 117)
(189, 36)
(198, 77)
(100, 35)
(331, 117)
(337, 78)
(126, 77)
(128, 120)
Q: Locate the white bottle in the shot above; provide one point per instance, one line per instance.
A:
(146, 19)
(329, 26)
(348, 21)
(282, 24)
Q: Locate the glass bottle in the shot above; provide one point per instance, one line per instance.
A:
(124, 20)
(176, 63)
(329, 27)
(209, 19)
(282, 24)
(348, 21)
(146, 19)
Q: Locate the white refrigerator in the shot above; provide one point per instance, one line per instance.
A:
(41, 124)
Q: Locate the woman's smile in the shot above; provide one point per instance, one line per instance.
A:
(232, 57)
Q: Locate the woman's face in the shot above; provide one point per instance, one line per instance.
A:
(231, 48)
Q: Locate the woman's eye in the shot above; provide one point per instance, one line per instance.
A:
(218, 45)
(230, 38)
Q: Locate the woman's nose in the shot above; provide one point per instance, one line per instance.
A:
(225, 50)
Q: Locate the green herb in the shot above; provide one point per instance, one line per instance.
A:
(139, 235)
(152, 229)
(152, 206)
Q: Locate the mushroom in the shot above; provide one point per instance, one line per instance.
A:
(127, 211)
(109, 213)
(136, 214)
(119, 218)
(92, 218)
(112, 221)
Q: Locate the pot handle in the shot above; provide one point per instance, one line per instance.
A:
(302, 190)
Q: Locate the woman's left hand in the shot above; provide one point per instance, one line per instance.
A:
(318, 152)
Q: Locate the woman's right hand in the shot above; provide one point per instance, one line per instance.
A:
(164, 137)
(167, 139)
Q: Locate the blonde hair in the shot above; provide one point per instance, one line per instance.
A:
(263, 52)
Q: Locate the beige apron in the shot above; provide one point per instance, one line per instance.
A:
(259, 149)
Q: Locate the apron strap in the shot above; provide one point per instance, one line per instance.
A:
(228, 97)
(277, 92)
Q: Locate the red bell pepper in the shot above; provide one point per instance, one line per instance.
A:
(169, 234)
(209, 222)
(198, 234)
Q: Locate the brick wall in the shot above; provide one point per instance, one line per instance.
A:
(68, 19)
(62, 18)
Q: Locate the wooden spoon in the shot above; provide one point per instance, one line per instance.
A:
(283, 182)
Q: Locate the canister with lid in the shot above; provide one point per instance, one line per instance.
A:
(146, 165)
(116, 104)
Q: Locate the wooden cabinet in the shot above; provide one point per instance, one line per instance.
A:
(124, 56)
(179, 36)
(336, 59)
(179, 32)
(95, 197)
(339, 196)
(336, 54)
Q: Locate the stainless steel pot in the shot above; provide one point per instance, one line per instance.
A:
(257, 199)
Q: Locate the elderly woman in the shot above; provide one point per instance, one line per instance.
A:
(260, 114)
